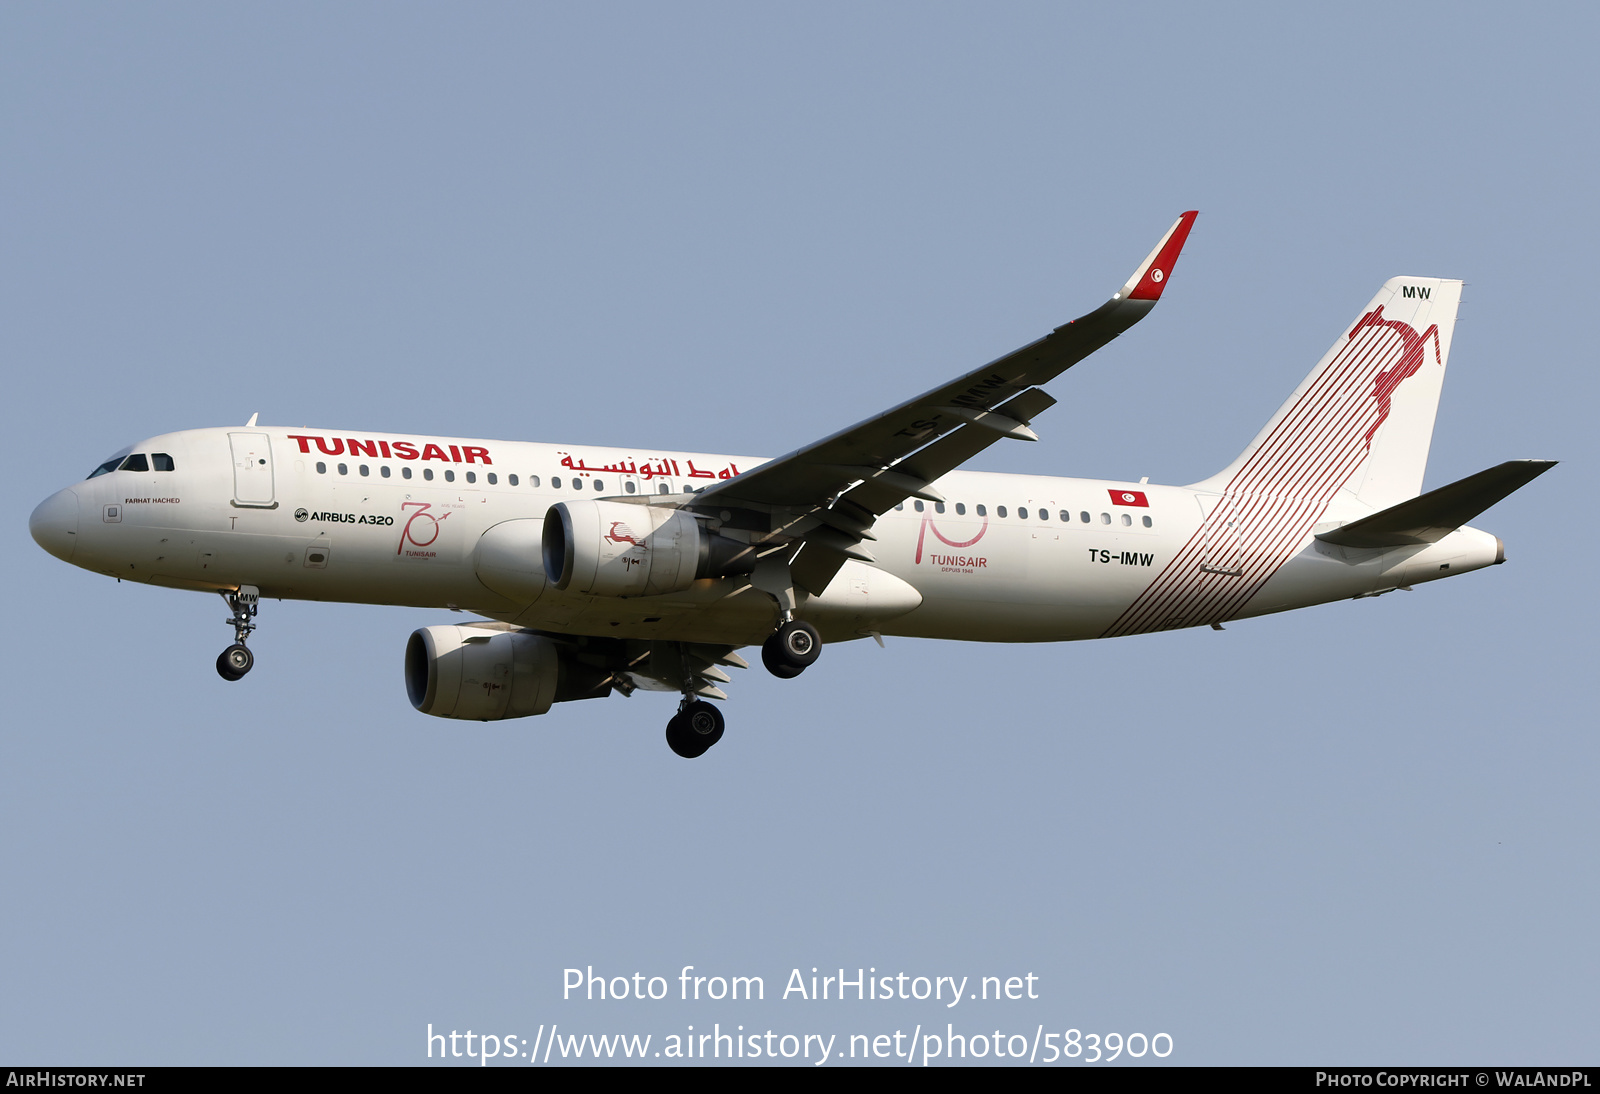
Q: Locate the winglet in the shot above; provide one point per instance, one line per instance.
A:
(1149, 279)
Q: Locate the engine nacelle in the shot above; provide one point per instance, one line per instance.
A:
(607, 548)
(487, 673)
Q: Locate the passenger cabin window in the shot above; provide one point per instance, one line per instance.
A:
(1127, 521)
(938, 507)
(1000, 511)
(1084, 517)
(533, 481)
(1148, 522)
(630, 487)
(135, 462)
(664, 488)
(1022, 514)
(917, 505)
(599, 484)
(384, 470)
(983, 512)
(1044, 514)
(344, 469)
(492, 478)
(449, 476)
(511, 479)
(162, 462)
(961, 508)
(577, 483)
(427, 473)
(322, 468)
(405, 472)
(1105, 518)
(472, 476)
(555, 482)
(1066, 517)
(365, 470)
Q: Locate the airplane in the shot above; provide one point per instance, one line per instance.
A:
(602, 569)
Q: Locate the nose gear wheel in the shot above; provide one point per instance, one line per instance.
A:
(236, 660)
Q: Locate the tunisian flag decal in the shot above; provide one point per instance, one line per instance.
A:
(1129, 497)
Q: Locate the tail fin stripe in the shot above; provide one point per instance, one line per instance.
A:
(1317, 443)
(1333, 393)
(1304, 458)
(1201, 597)
(1324, 427)
(1324, 414)
(1273, 525)
(1278, 510)
(1304, 414)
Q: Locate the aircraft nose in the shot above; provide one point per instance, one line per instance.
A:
(54, 525)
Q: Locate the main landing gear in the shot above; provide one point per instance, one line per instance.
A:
(236, 660)
(696, 727)
(791, 649)
(794, 646)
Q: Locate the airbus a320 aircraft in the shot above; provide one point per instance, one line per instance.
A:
(612, 569)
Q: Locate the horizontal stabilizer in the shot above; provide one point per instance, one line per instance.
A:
(1434, 515)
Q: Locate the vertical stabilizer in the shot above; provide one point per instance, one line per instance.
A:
(1363, 418)
(1353, 439)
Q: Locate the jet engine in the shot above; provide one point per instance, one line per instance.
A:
(490, 671)
(607, 548)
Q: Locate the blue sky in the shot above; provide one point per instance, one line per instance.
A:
(1363, 833)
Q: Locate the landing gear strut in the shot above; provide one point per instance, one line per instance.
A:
(236, 660)
(696, 727)
(794, 646)
(791, 649)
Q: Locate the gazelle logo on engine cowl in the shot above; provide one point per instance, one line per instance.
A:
(621, 533)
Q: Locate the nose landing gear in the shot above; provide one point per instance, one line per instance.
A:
(236, 660)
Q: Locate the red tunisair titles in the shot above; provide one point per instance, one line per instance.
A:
(393, 450)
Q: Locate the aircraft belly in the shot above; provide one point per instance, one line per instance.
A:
(722, 611)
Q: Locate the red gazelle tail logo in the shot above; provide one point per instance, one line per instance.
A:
(1412, 354)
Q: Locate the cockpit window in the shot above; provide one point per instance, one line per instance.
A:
(112, 464)
(162, 461)
(135, 462)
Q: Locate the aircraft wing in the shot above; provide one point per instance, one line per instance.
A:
(829, 493)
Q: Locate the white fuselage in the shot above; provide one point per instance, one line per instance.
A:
(387, 519)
